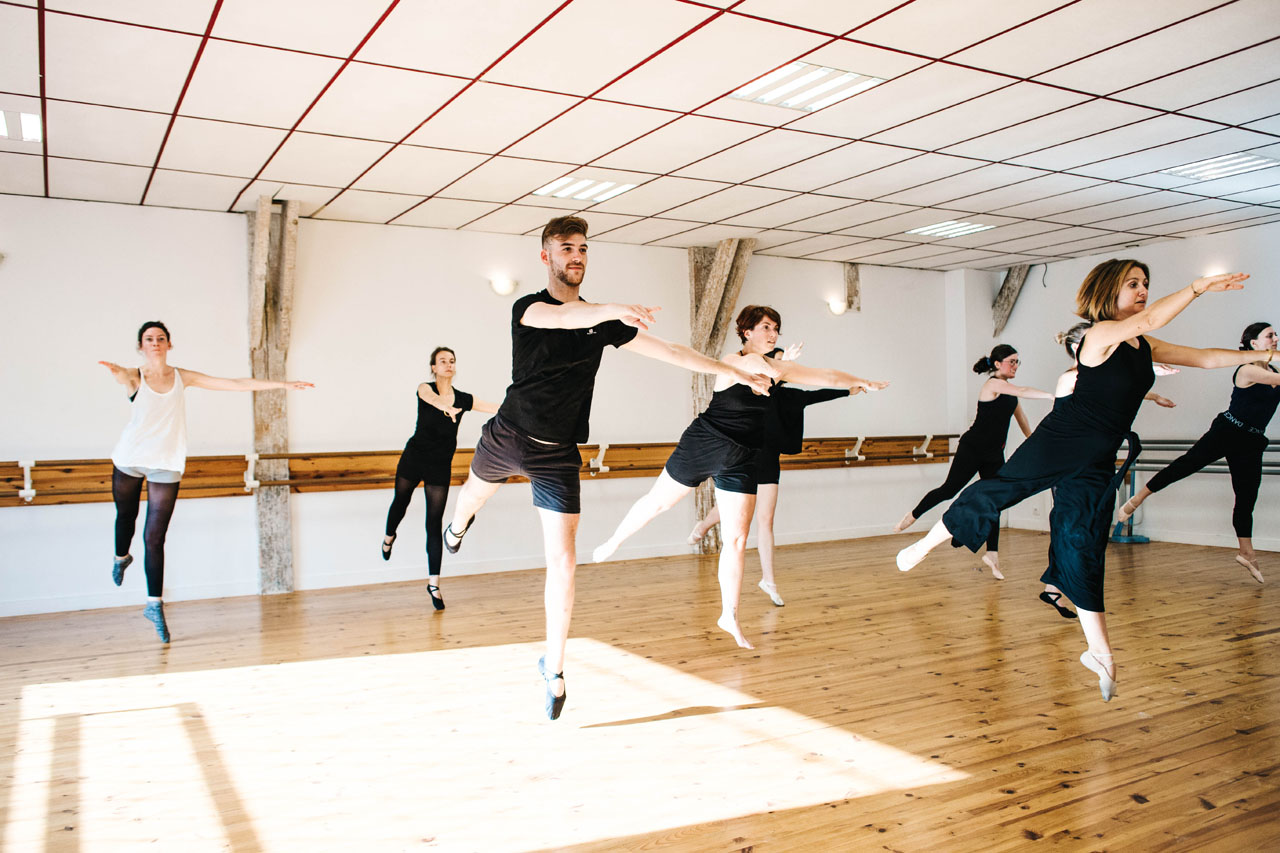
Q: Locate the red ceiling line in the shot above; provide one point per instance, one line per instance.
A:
(719, 13)
(44, 122)
(173, 117)
(437, 110)
(315, 101)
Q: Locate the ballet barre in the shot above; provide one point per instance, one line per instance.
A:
(67, 481)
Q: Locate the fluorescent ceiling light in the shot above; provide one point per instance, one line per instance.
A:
(584, 188)
(1222, 167)
(805, 87)
(21, 127)
(950, 228)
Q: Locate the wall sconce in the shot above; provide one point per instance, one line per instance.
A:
(502, 286)
(837, 305)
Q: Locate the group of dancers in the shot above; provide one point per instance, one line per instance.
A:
(558, 340)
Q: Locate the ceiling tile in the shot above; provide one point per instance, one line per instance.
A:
(1006, 261)
(939, 27)
(331, 27)
(309, 198)
(115, 64)
(453, 38)
(255, 85)
(192, 191)
(901, 176)
(897, 227)
(1175, 154)
(647, 230)
(1012, 105)
(858, 251)
(727, 203)
(1123, 140)
(906, 256)
(359, 206)
(589, 130)
(20, 59)
(706, 235)
(911, 96)
(1004, 232)
(970, 259)
(812, 245)
(514, 219)
(1267, 125)
(834, 18)
(1021, 193)
(1240, 214)
(1213, 80)
(760, 155)
(679, 143)
(766, 240)
(1266, 195)
(1049, 205)
(1038, 242)
(1242, 107)
(603, 223)
(1076, 30)
(1234, 226)
(379, 103)
(222, 148)
(189, 16)
(789, 210)
(592, 173)
(853, 159)
(848, 217)
(1235, 184)
(659, 195)
(1063, 126)
(584, 48)
(712, 62)
(445, 213)
(965, 184)
(330, 161)
(487, 118)
(81, 179)
(1098, 244)
(21, 174)
(505, 178)
(103, 133)
(1105, 213)
(417, 171)
(1154, 218)
(1230, 27)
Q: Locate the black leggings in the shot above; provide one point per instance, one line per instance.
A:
(126, 491)
(969, 460)
(436, 498)
(1243, 450)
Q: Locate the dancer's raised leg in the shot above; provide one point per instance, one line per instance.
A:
(910, 556)
(471, 497)
(664, 494)
(700, 529)
(735, 519)
(1129, 507)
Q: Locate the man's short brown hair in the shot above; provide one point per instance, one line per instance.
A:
(564, 226)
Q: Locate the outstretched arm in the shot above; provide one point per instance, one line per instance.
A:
(484, 406)
(195, 379)
(126, 376)
(825, 377)
(1000, 386)
(1208, 358)
(1105, 334)
(690, 359)
(584, 315)
(435, 401)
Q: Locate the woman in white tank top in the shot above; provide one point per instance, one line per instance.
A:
(153, 447)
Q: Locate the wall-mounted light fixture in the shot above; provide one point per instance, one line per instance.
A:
(502, 285)
(838, 305)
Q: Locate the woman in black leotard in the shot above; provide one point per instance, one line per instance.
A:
(981, 449)
(1074, 448)
(428, 459)
(1240, 434)
(722, 442)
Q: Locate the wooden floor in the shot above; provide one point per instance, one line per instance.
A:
(939, 710)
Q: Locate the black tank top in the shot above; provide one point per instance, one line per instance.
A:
(1254, 406)
(435, 431)
(991, 424)
(1107, 397)
(737, 413)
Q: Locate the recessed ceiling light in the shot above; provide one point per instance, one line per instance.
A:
(21, 127)
(583, 188)
(805, 87)
(950, 228)
(1222, 167)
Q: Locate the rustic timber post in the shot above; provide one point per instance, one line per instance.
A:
(852, 288)
(1008, 296)
(273, 240)
(715, 279)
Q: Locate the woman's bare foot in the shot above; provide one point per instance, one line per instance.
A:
(1251, 565)
(603, 552)
(993, 563)
(729, 624)
(698, 532)
(907, 521)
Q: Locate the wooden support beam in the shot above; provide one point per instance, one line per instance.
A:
(1008, 295)
(273, 248)
(715, 280)
(852, 288)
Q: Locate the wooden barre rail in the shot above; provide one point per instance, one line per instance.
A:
(67, 481)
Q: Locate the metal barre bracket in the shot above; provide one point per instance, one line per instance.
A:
(251, 460)
(851, 453)
(26, 492)
(596, 463)
(923, 449)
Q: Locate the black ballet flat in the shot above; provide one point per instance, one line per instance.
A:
(555, 704)
(449, 531)
(386, 548)
(436, 601)
(1051, 599)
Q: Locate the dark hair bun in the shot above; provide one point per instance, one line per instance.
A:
(983, 365)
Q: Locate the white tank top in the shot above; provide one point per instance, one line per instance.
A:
(156, 435)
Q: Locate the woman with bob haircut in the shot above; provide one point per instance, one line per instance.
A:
(723, 443)
(428, 459)
(1240, 434)
(1074, 447)
(981, 449)
(153, 448)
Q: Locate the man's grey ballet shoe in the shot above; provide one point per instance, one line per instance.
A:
(554, 703)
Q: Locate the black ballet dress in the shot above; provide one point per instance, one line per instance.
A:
(980, 451)
(722, 442)
(1073, 448)
(784, 427)
(428, 455)
(1240, 434)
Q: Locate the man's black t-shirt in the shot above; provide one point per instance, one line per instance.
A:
(553, 374)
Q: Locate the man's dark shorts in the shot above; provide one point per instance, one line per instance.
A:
(553, 469)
